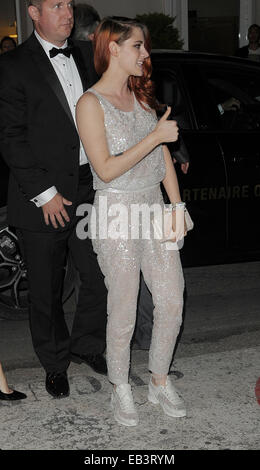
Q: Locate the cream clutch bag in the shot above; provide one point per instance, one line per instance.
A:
(163, 226)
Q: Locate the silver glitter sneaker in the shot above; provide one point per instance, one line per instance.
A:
(168, 398)
(123, 405)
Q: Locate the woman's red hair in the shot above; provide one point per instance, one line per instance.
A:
(111, 29)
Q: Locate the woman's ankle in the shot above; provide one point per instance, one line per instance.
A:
(158, 380)
(3, 383)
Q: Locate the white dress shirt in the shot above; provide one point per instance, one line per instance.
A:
(70, 81)
(254, 54)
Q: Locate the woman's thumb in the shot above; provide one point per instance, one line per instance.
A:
(166, 114)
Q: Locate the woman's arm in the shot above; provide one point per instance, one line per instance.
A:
(90, 122)
(171, 186)
(170, 181)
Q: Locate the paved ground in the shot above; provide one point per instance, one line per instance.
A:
(216, 368)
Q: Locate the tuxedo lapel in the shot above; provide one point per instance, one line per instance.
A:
(39, 57)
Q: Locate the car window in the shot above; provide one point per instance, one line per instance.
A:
(169, 90)
(236, 93)
(205, 111)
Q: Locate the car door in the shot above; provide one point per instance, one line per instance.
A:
(4, 175)
(178, 85)
(4, 172)
(239, 138)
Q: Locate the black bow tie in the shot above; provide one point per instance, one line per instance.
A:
(66, 51)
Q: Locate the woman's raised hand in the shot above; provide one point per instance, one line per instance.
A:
(166, 131)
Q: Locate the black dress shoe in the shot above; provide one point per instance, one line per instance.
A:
(15, 395)
(96, 361)
(57, 384)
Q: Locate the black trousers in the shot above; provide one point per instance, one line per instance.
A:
(45, 255)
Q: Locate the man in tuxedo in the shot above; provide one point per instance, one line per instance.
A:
(40, 83)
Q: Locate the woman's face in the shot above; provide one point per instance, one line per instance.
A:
(132, 53)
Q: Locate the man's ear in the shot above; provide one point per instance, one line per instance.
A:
(113, 48)
(33, 12)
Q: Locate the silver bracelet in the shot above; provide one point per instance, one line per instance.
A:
(172, 207)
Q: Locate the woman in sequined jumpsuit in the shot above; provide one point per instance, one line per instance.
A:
(123, 140)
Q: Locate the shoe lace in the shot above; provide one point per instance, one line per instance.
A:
(126, 401)
(171, 393)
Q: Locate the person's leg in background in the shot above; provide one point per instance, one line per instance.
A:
(5, 392)
(88, 336)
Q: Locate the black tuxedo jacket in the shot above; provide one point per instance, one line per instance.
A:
(38, 137)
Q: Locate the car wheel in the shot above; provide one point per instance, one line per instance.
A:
(14, 296)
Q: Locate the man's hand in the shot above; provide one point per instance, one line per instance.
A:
(232, 104)
(184, 166)
(55, 211)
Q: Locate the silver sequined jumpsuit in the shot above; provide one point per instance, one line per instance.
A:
(121, 259)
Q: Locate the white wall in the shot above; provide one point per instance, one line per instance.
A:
(124, 7)
(249, 14)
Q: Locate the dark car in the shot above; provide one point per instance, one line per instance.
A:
(222, 187)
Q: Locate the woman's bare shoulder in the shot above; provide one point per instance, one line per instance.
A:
(88, 101)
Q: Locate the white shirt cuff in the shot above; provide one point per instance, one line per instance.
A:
(44, 197)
